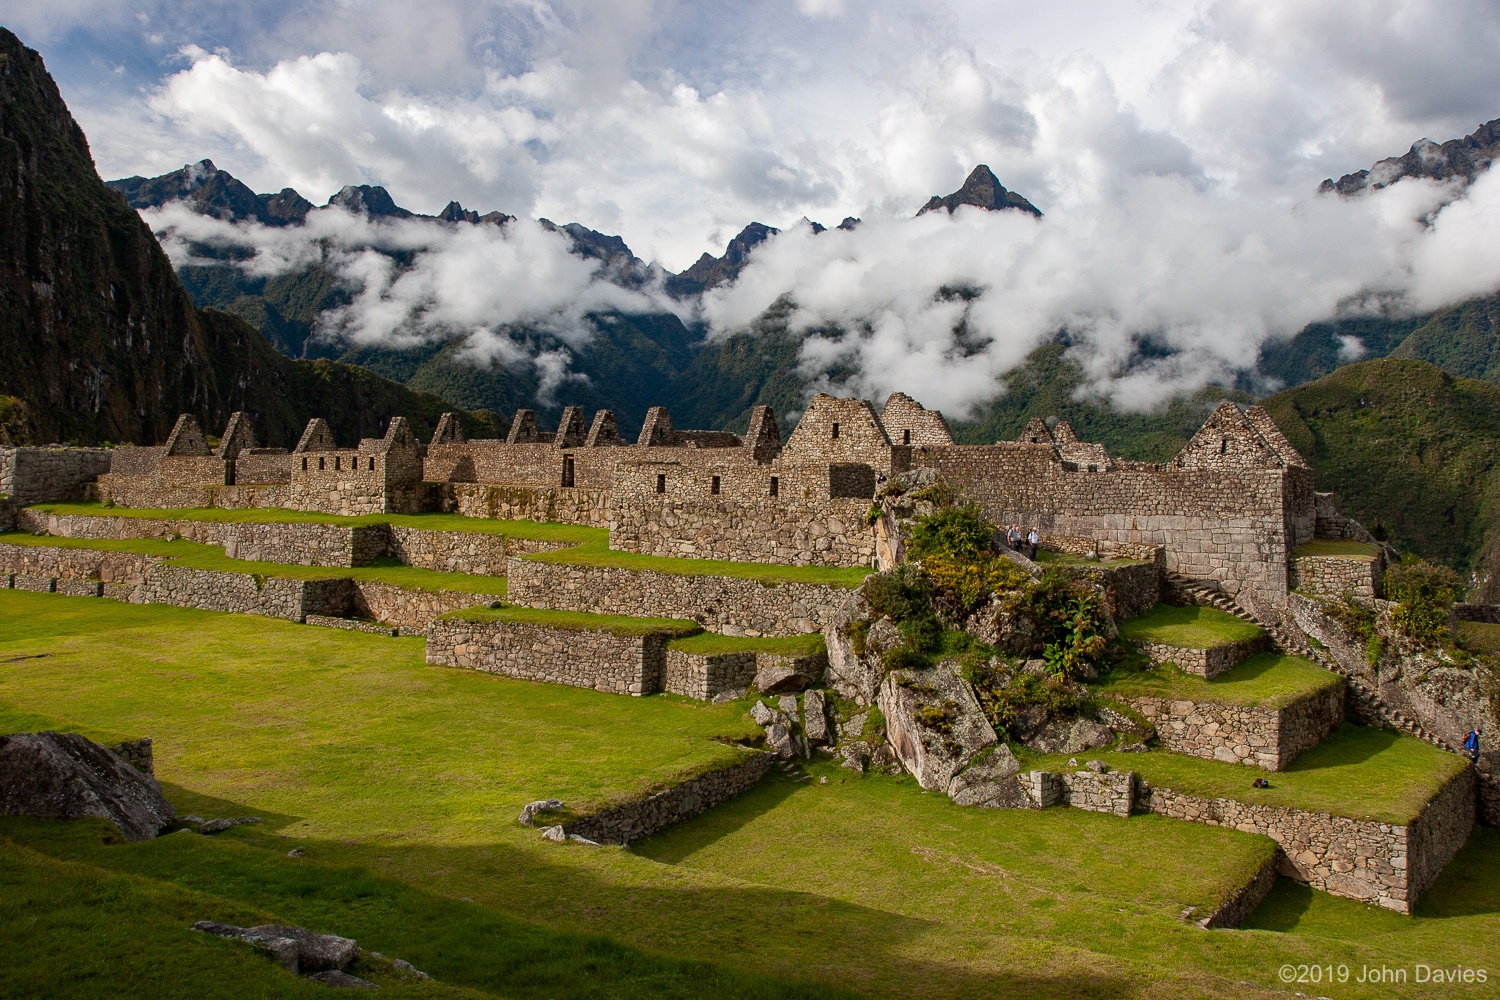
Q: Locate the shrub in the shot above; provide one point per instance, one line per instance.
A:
(1072, 625)
(1424, 592)
(960, 532)
(1359, 621)
(965, 585)
(1005, 696)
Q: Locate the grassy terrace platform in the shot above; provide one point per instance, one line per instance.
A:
(1265, 680)
(1370, 774)
(1188, 628)
(1045, 557)
(713, 644)
(195, 555)
(1337, 547)
(401, 782)
(613, 624)
(544, 531)
(598, 553)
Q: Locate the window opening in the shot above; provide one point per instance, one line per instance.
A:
(661, 484)
(567, 475)
(835, 429)
(775, 486)
(322, 463)
(372, 465)
(714, 487)
(906, 436)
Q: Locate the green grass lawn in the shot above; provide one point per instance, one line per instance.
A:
(401, 783)
(598, 553)
(1337, 547)
(1362, 773)
(546, 531)
(1188, 628)
(622, 625)
(714, 644)
(196, 555)
(1265, 680)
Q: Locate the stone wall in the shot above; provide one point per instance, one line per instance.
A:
(634, 820)
(724, 604)
(1230, 524)
(1112, 792)
(408, 609)
(8, 511)
(243, 593)
(36, 475)
(1337, 575)
(1207, 663)
(1486, 613)
(1233, 911)
(147, 491)
(579, 657)
(1376, 862)
(776, 513)
(694, 675)
(305, 544)
(1269, 738)
(524, 503)
(81, 564)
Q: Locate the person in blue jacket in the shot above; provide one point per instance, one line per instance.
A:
(1471, 746)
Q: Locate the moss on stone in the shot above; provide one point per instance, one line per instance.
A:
(614, 624)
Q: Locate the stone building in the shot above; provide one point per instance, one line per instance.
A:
(1230, 507)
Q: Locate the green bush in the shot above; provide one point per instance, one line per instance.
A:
(1072, 624)
(959, 532)
(1004, 696)
(965, 585)
(1358, 621)
(1424, 592)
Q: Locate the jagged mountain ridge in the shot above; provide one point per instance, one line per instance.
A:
(1463, 158)
(98, 339)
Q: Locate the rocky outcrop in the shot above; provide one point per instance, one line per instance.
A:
(299, 951)
(934, 722)
(1071, 736)
(990, 783)
(982, 189)
(51, 775)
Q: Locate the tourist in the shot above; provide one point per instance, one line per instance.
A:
(1033, 538)
(1013, 537)
(1471, 745)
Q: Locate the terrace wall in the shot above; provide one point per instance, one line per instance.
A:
(406, 608)
(677, 804)
(1207, 663)
(1380, 863)
(1335, 576)
(1130, 591)
(704, 677)
(147, 491)
(586, 658)
(1269, 738)
(307, 544)
(724, 604)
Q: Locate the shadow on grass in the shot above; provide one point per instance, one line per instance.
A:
(1283, 909)
(486, 947)
(1349, 744)
(1470, 885)
(717, 824)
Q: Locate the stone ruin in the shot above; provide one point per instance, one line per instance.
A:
(1229, 508)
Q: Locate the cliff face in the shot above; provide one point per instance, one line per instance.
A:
(98, 339)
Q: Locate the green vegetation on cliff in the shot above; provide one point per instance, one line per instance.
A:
(1412, 452)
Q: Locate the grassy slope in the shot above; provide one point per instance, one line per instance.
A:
(1411, 451)
(196, 555)
(1265, 680)
(1363, 773)
(401, 781)
(1188, 628)
(1463, 340)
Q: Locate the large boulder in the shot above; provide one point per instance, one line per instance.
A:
(815, 719)
(934, 722)
(65, 776)
(1071, 736)
(854, 649)
(991, 783)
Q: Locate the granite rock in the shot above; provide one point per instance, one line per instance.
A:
(51, 775)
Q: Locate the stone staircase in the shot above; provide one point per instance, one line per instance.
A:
(1367, 702)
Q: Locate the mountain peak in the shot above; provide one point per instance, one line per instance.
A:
(369, 199)
(982, 189)
(709, 271)
(1464, 158)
